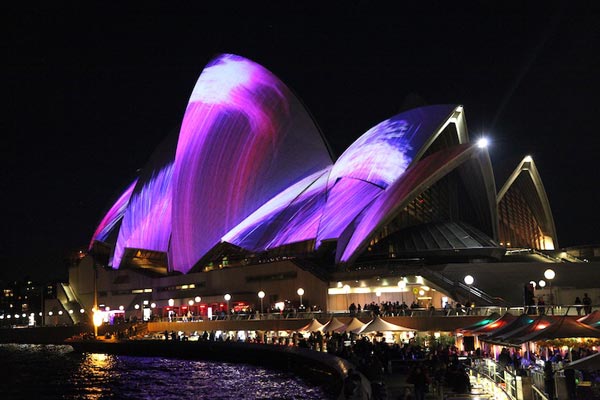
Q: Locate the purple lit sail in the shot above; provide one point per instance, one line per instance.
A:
(386, 206)
(244, 138)
(113, 216)
(147, 221)
(250, 232)
(345, 200)
(299, 221)
(382, 154)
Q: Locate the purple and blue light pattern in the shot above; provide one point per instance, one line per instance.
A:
(384, 152)
(147, 221)
(113, 216)
(249, 233)
(345, 200)
(238, 148)
(300, 220)
(415, 180)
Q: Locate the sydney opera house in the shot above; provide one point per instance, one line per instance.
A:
(246, 197)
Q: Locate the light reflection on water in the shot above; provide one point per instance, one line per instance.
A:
(56, 372)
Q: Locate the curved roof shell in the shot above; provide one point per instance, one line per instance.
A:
(527, 180)
(249, 167)
(244, 138)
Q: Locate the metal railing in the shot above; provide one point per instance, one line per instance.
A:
(502, 377)
(554, 310)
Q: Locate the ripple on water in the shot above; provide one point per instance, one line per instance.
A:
(56, 372)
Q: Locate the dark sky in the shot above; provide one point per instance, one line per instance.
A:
(89, 93)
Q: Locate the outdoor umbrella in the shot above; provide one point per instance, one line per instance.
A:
(592, 319)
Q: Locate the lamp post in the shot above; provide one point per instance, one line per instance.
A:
(469, 281)
(550, 274)
(402, 286)
(346, 289)
(261, 296)
(227, 297)
(300, 292)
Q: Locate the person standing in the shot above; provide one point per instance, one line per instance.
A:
(578, 305)
(418, 377)
(587, 304)
(541, 304)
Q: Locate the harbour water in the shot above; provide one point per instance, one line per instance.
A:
(56, 372)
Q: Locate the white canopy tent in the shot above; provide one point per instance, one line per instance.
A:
(355, 325)
(313, 326)
(334, 325)
(379, 325)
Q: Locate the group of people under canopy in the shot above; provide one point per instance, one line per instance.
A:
(534, 333)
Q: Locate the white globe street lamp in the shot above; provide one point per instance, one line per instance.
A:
(469, 281)
(300, 292)
(346, 290)
(542, 283)
(261, 296)
(550, 274)
(402, 286)
(227, 297)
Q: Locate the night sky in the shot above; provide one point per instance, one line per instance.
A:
(89, 93)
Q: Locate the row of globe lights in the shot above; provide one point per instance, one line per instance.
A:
(171, 302)
(549, 274)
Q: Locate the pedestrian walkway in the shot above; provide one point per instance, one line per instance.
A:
(397, 388)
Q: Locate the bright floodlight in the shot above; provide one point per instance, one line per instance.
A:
(97, 318)
(482, 143)
(549, 274)
(469, 280)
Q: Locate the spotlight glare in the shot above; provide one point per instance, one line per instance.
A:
(482, 143)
